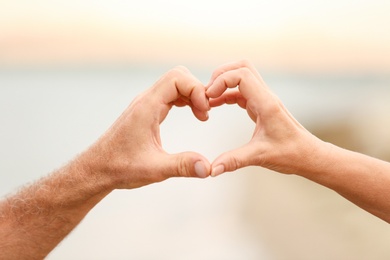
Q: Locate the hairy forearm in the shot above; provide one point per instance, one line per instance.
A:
(35, 219)
(361, 179)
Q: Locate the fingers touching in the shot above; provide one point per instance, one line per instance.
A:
(233, 66)
(136, 133)
(185, 164)
(252, 95)
(243, 156)
(179, 87)
(229, 97)
(276, 131)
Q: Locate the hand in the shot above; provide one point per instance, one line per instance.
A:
(279, 142)
(130, 152)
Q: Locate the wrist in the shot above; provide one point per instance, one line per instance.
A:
(316, 159)
(95, 170)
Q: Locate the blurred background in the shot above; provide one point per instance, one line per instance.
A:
(69, 68)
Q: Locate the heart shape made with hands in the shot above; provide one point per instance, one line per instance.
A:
(225, 130)
(252, 94)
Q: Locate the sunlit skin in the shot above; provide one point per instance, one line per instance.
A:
(129, 155)
(281, 144)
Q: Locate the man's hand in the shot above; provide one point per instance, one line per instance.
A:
(131, 152)
(129, 155)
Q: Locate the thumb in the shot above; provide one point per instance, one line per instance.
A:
(186, 164)
(233, 160)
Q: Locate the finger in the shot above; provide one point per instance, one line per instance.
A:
(181, 102)
(179, 82)
(222, 83)
(185, 164)
(233, 66)
(229, 97)
(198, 95)
(234, 159)
(200, 114)
(249, 85)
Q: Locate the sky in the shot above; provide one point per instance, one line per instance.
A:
(278, 35)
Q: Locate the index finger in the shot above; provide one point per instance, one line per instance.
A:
(229, 98)
(180, 87)
(233, 66)
(248, 83)
(181, 83)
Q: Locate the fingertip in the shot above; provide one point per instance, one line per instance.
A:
(217, 88)
(205, 116)
(199, 98)
(210, 81)
(211, 92)
(206, 102)
(217, 170)
(200, 114)
(202, 169)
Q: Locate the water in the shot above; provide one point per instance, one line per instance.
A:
(48, 116)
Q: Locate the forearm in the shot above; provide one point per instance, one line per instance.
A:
(281, 144)
(361, 179)
(129, 155)
(39, 216)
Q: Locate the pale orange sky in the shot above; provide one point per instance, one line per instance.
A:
(279, 35)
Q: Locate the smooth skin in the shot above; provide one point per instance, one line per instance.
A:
(129, 155)
(281, 144)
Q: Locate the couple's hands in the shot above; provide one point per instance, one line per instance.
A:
(131, 150)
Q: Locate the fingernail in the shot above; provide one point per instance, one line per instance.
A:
(217, 170)
(200, 169)
(207, 115)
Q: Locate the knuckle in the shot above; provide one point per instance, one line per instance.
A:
(276, 106)
(182, 168)
(218, 72)
(245, 71)
(180, 69)
(173, 73)
(235, 163)
(245, 63)
(176, 73)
